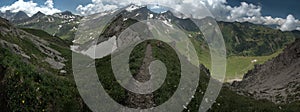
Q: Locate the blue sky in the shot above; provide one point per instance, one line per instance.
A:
(274, 8)
(63, 5)
(284, 14)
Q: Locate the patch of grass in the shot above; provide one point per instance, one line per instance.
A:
(237, 66)
(25, 89)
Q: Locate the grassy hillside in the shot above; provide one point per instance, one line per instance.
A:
(228, 101)
(23, 88)
(247, 39)
(27, 81)
(247, 44)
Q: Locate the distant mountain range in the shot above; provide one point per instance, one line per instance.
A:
(36, 71)
(242, 39)
(245, 42)
(62, 24)
(245, 39)
(14, 16)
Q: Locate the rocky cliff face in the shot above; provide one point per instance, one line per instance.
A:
(278, 80)
(36, 49)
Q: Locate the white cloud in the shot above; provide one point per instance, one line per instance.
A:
(30, 8)
(219, 9)
(49, 3)
(104, 5)
(290, 24)
(244, 10)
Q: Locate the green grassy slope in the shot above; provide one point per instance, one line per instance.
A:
(26, 89)
(245, 42)
(31, 84)
(228, 101)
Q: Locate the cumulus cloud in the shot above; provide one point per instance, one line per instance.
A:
(104, 5)
(30, 8)
(244, 10)
(290, 24)
(49, 3)
(219, 9)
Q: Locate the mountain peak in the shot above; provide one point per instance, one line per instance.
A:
(67, 13)
(21, 15)
(38, 14)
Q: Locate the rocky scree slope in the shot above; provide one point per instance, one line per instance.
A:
(278, 80)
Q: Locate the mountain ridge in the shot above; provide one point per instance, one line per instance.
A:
(56, 91)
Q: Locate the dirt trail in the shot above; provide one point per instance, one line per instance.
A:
(142, 101)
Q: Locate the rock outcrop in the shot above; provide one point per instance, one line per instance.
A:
(278, 80)
(30, 46)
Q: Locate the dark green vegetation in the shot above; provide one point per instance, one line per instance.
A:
(228, 101)
(245, 42)
(163, 53)
(247, 39)
(23, 88)
(27, 82)
(32, 85)
(49, 92)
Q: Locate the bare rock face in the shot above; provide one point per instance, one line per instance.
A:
(278, 80)
(17, 41)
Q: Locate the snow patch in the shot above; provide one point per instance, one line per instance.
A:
(167, 23)
(151, 16)
(132, 8)
(125, 19)
(59, 27)
(137, 14)
(74, 29)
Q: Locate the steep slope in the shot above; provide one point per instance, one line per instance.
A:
(247, 39)
(227, 100)
(247, 44)
(35, 72)
(34, 47)
(277, 80)
(25, 87)
(242, 39)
